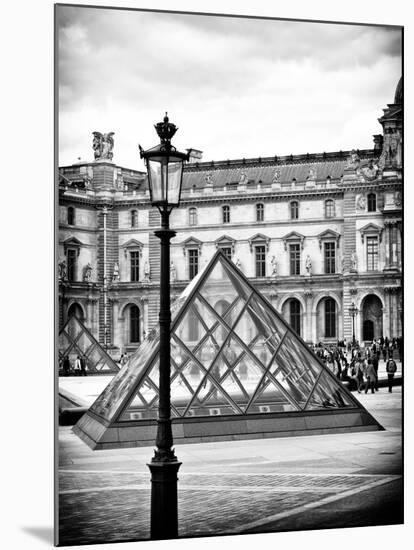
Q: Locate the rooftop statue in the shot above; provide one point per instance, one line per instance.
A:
(102, 145)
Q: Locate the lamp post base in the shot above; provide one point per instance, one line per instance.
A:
(164, 509)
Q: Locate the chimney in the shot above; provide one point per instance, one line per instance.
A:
(195, 155)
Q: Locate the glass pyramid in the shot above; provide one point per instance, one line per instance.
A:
(75, 339)
(232, 355)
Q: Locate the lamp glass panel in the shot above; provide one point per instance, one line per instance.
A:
(174, 182)
(156, 181)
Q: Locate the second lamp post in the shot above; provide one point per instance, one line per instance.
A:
(165, 172)
(353, 311)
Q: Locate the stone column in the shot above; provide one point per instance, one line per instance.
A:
(114, 333)
(307, 329)
(145, 328)
(387, 245)
(388, 301)
(89, 314)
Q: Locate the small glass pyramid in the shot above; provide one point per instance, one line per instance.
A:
(75, 339)
(231, 354)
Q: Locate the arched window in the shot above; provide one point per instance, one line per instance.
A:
(71, 215)
(329, 208)
(259, 212)
(330, 318)
(192, 216)
(294, 315)
(226, 214)
(134, 218)
(75, 310)
(294, 210)
(372, 202)
(134, 322)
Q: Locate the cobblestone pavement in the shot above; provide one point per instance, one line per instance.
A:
(114, 506)
(236, 486)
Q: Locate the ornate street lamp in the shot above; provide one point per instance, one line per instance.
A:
(353, 311)
(165, 172)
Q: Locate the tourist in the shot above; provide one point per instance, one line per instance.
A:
(78, 366)
(66, 365)
(375, 365)
(83, 365)
(391, 367)
(370, 377)
(359, 369)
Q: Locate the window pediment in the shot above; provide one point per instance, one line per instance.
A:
(293, 237)
(191, 242)
(259, 239)
(72, 242)
(371, 229)
(225, 241)
(328, 235)
(131, 245)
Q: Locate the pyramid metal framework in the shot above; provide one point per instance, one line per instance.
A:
(238, 370)
(75, 339)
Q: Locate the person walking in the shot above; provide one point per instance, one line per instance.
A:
(375, 365)
(391, 367)
(66, 365)
(78, 367)
(83, 365)
(384, 352)
(370, 377)
(359, 367)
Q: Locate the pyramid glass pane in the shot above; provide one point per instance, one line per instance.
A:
(241, 379)
(143, 403)
(270, 398)
(190, 329)
(84, 343)
(329, 394)
(64, 342)
(221, 287)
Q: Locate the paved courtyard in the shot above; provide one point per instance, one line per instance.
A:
(236, 487)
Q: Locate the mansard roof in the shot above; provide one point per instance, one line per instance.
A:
(269, 169)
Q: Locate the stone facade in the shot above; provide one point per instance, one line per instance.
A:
(314, 233)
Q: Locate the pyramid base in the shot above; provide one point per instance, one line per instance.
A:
(93, 431)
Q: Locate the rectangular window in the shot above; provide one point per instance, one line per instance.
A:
(294, 253)
(226, 214)
(329, 249)
(134, 266)
(226, 251)
(260, 253)
(372, 253)
(192, 263)
(71, 254)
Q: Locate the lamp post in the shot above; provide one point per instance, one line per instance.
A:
(353, 311)
(165, 171)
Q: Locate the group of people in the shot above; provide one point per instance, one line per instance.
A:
(79, 366)
(359, 366)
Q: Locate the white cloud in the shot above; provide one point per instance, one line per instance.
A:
(236, 87)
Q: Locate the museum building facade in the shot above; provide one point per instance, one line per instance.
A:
(314, 233)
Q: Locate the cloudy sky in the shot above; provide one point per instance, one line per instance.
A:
(235, 87)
